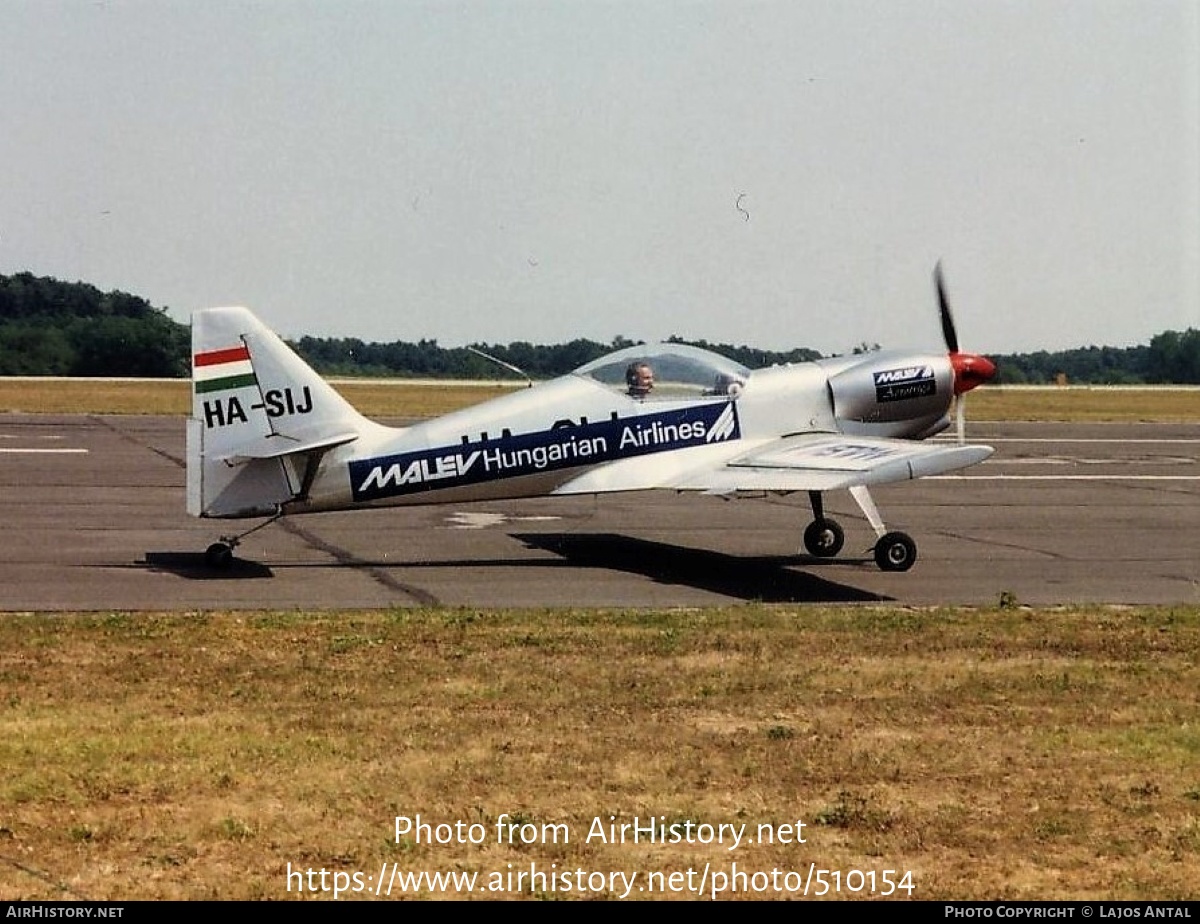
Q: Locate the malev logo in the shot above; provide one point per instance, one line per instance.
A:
(905, 384)
(905, 375)
(422, 469)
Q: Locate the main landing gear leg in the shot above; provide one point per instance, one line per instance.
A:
(823, 538)
(894, 551)
(219, 555)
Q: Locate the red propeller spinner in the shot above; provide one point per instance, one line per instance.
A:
(971, 370)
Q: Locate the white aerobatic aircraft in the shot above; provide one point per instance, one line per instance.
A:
(269, 437)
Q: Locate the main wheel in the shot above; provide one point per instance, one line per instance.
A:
(895, 552)
(219, 555)
(824, 538)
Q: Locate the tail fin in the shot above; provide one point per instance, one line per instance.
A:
(261, 418)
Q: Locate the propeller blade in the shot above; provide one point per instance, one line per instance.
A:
(948, 332)
(970, 370)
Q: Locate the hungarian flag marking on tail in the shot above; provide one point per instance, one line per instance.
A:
(221, 370)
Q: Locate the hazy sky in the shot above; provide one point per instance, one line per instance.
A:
(550, 170)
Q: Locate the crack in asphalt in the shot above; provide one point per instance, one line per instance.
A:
(141, 444)
(345, 557)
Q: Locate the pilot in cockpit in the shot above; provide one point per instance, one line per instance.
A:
(639, 378)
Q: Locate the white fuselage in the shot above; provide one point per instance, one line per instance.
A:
(576, 435)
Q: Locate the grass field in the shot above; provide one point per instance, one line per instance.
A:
(1004, 753)
(396, 398)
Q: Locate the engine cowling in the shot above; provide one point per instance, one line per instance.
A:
(894, 394)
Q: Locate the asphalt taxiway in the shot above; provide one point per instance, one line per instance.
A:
(93, 516)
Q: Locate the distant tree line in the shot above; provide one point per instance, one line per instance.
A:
(1170, 358)
(48, 327)
(426, 359)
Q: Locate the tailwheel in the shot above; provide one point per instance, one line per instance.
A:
(219, 555)
(824, 538)
(895, 552)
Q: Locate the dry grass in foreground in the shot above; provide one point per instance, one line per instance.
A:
(412, 400)
(995, 754)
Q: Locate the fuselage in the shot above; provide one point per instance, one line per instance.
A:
(582, 433)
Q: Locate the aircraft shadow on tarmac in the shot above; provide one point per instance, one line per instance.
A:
(192, 565)
(770, 579)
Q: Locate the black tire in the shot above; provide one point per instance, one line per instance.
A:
(219, 556)
(824, 538)
(895, 552)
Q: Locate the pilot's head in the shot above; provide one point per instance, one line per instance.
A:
(640, 379)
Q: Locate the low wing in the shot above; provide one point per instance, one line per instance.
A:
(827, 462)
(804, 462)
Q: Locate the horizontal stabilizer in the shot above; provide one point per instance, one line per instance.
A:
(278, 445)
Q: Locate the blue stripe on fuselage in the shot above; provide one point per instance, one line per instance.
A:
(545, 451)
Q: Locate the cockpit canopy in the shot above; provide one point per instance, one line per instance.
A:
(676, 370)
